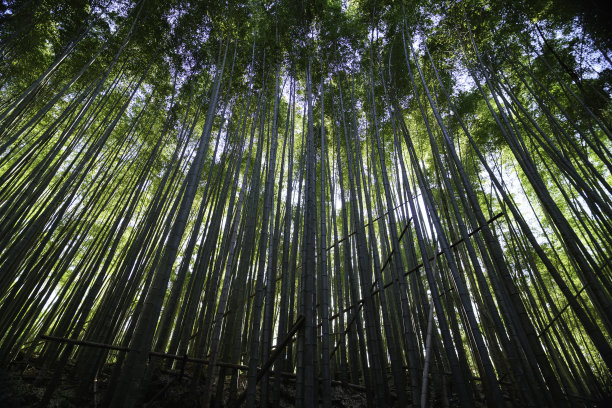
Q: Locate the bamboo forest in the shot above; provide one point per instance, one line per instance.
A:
(310, 203)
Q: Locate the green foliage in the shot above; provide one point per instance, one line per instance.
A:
(437, 117)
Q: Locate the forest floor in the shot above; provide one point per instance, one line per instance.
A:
(21, 386)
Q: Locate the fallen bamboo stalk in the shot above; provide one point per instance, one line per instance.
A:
(416, 268)
(151, 353)
(240, 367)
(279, 348)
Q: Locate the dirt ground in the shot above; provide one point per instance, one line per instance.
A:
(22, 387)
